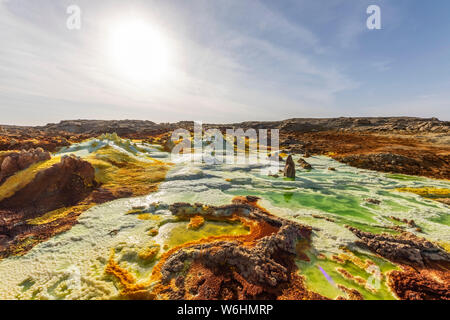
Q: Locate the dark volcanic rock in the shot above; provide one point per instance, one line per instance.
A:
(253, 263)
(406, 248)
(373, 201)
(374, 124)
(289, 169)
(304, 164)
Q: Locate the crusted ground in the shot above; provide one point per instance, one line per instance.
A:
(259, 265)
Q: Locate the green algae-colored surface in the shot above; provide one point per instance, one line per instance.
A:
(442, 219)
(342, 205)
(404, 177)
(316, 280)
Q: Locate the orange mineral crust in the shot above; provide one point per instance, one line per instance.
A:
(258, 265)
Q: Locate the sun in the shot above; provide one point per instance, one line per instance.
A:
(139, 52)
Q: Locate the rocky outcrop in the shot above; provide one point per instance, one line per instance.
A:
(254, 264)
(424, 266)
(369, 124)
(305, 165)
(417, 164)
(30, 138)
(382, 160)
(10, 163)
(420, 285)
(168, 145)
(373, 201)
(121, 127)
(64, 184)
(298, 125)
(406, 248)
(289, 169)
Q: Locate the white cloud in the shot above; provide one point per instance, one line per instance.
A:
(235, 72)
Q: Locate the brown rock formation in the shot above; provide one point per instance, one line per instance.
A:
(405, 248)
(425, 267)
(289, 169)
(420, 285)
(305, 165)
(28, 138)
(64, 184)
(373, 201)
(357, 124)
(12, 162)
(390, 162)
(230, 269)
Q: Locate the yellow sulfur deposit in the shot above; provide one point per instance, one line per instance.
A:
(130, 289)
(428, 192)
(116, 170)
(59, 214)
(149, 254)
(196, 223)
(24, 177)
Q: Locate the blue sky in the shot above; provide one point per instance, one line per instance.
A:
(230, 60)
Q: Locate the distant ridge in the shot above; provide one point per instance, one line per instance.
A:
(370, 124)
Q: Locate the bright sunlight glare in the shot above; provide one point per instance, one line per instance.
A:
(139, 52)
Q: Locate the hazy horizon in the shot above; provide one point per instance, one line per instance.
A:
(253, 120)
(222, 61)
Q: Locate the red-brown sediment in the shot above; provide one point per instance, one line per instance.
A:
(425, 267)
(381, 151)
(422, 284)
